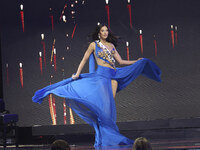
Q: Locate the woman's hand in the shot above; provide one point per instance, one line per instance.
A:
(75, 76)
(139, 59)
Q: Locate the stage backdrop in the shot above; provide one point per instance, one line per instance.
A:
(167, 32)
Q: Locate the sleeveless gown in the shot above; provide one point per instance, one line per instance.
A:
(90, 96)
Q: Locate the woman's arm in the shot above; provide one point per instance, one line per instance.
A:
(123, 62)
(84, 60)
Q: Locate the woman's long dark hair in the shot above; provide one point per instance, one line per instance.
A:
(111, 37)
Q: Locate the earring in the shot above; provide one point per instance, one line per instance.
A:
(99, 37)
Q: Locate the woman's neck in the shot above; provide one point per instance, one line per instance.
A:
(103, 41)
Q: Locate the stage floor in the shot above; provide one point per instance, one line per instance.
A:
(180, 134)
(164, 144)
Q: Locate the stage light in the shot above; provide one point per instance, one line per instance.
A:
(108, 12)
(42, 36)
(21, 7)
(21, 74)
(40, 54)
(127, 50)
(54, 59)
(176, 28)
(40, 59)
(176, 35)
(141, 42)
(172, 35)
(52, 18)
(64, 18)
(22, 16)
(130, 14)
(44, 48)
(127, 43)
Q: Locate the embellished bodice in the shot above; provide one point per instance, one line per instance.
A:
(102, 52)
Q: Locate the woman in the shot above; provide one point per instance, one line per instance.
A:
(91, 95)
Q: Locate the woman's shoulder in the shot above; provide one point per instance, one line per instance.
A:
(92, 45)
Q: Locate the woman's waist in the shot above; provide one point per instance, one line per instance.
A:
(104, 63)
(105, 71)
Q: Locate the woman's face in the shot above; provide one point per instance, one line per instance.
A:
(103, 33)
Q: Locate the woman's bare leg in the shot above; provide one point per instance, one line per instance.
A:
(114, 87)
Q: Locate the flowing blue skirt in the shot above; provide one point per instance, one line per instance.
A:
(91, 97)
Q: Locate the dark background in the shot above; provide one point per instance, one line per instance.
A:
(177, 96)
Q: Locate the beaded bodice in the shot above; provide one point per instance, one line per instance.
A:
(103, 53)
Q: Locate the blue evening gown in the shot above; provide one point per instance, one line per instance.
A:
(91, 96)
